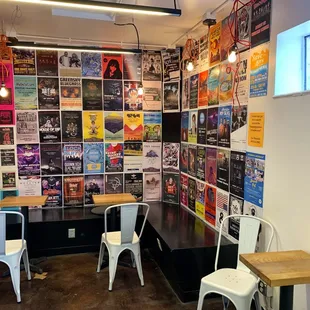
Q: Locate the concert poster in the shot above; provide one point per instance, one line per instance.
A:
(132, 64)
(192, 127)
(113, 95)
(8, 179)
(184, 190)
(51, 159)
(114, 126)
(223, 160)
(49, 126)
(134, 185)
(94, 185)
(25, 92)
(48, 93)
(152, 98)
(152, 66)
(93, 126)
(71, 93)
(133, 101)
(184, 157)
(203, 89)
(93, 158)
(6, 72)
(152, 127)
(237, 173)
(72, 158)
(24, 62)
(184, 126)
(133, 126)
(235, 208)
(71, 122)
(171, 185)
(92, 94)
(192, 194)
(69, 63)
(152, 187)
(6, 136)
(211, 166)
(222, 209)
(200, 199)
(210, 204)
(212, 126)
(114, 183)
(27, 127)
(6, 117)
(213, 85)
(192, 160)
(133, 157)
(114, 157)
(227, 40)
(30, 186)
(73, 191)
(194, 89)
(112, 66)
(152, 157)
(201, 163)
(172, 97)
(185, 94)
(226, 82)
(52, 187)
(91, 65)
(215, 44)
(204, 52)
(28, 158)
(47, 63)
(224, 126)
(244, 27)
(202, 126)
(171, 64)
(242, 79)
(171, 155)
(7, 157)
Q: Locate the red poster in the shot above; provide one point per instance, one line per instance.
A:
(7, 103)
(112, 67)
(203, 89)
(210, 204)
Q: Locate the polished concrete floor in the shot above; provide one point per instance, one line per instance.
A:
(72, 283)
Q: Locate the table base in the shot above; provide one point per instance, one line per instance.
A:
(286, 297)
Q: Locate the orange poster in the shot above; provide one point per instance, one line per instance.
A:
(203, 89)
(215, 40)
(256, 129)
(210, 204)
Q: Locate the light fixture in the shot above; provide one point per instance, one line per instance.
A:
(140, 89)
(189, 66)
(232, 57)
(108, 7)
(3, 91)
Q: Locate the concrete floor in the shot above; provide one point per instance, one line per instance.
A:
(72, 283)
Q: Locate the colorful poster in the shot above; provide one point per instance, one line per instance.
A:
(25, 92)
(112, 66)
(69, 64)
(237, 173)
(171, 64)
(27, 127)
(244, 27)
(30, 186)
(152, 98)
(203, 89)
(254, 178)
(28, 157)
(7, 136)
(49, 126)
(6, 117)
(210, 215)
(242, 77)
(171, 155)
(48, 93)
(227, 39)
(184, 190)
(133, 157)
(133, 101)
(239, 128)
(192, 194)
(71, 93)
(134, 185)
(92, 94)
(113, 95)
(51, 159)
(152, 127)
(7, 101)
(114, 183)
(260, 22)
(251, 209)
(223, 169)
(47, 63)
(91, 65)
(52, 187)
(184, 126)
(222, 209)
(259, 71)
(201, 163)
(24, 62)
(192, 128)
(185, 94)
(93, 126)
(200, 199)
(133, 126)
(171, 188)
(94, 185)
(235, 208)
(211, 166)
(152, 157)
(7, 157)
(202, 126)
(93, 158)
(256, 129)
(72, 158)
(224, 126)
(8, 179)
(172, 97)
(214, 44)
(132, 67)
(152, 66)
(152, 187)
(114, 126)
(204, 52)
(212, 126)
(114, 157)
(193, 93)
(213, 86)
(184, 157)
(73, 191)
(192, 160)
(226, 82)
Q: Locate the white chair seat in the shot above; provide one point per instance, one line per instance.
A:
(13, 246)
(115, 238)
(233, 281)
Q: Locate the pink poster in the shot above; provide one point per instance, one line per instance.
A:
(7, 103)
(184, 190)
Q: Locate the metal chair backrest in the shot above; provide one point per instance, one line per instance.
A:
(248, 233)
(129, 212)
(3, 215)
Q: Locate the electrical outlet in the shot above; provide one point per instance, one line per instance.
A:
(71, 233)
(264, 289)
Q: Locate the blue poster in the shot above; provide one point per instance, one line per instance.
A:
(254, 178)
(93, 158)
(91, 65)
(224, 127)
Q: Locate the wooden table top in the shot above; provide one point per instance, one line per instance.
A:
(109, 199)
(23, 201)
(279, 268)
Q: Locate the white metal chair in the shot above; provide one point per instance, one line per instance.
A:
(236, 285)
(126, 239)
(11, 252)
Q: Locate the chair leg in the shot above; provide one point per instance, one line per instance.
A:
(112, 269)
(257, 302)
(101, 254)
(200, 300)
(226, 302)
(133, 259)
(139, 264)
(26, 264)
(15, 276)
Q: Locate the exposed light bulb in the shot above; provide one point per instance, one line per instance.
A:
(140, 89)
(232, 56)
(190, 66)
(3, 91)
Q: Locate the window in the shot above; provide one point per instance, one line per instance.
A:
(307, 63)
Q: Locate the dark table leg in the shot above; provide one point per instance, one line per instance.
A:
(286, 297)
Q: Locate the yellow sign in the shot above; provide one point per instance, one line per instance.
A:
(93, 126)
(256, 129)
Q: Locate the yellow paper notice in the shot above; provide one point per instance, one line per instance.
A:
(256, 129)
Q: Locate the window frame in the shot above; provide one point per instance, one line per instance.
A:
(306, 61)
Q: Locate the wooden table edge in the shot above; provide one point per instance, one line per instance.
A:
(4, 204)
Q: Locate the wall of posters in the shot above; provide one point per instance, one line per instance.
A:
(223, 160)
(202, 126)
(114, 183)
(215, 44)
(73, 190)
(172, 96)
(93, 126)
(7, 157)
(235, 208)
(71, 93)
(226, 81)
(6, 136)
(152, 127)
(25, 92)
(212, 124)
(28, 158)
(69, 64)
(242, 77)
(112, 66)
(200, 199)
(152, 66)
(210, 205)
(185, 94)
(114, 127)
(171, 156)
(72, 158)
(213, 86)
(171, 185)
(152, 157)
(184, 157)
(113, 95)
(94, 185)
(224, 126)
(132, 64)
(93, 158)
(48, 93)
(133, 101)
(237, 173)
(24, 62)
(201, 163)
(51, 159)
(152, 98)
(114, 157)
(192, 127)
(49, 126)
(52, 187)
(92, 94)
(134, 185)
(184, 190)
(91, 65)
(26, 127)
(222, 209)
(203, 89)
(192, 194)
(133, 156)
(184, 126)
(133, 126)
(192, 160)
(152, 187)
(193, 91)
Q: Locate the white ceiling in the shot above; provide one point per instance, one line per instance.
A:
(37, 20)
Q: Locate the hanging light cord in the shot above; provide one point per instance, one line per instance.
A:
(137, 32)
